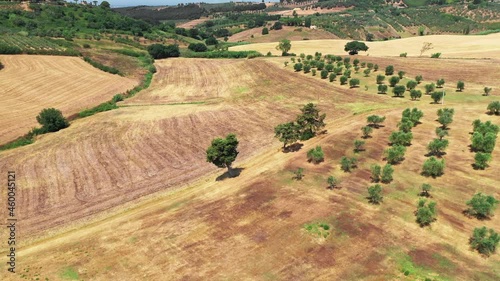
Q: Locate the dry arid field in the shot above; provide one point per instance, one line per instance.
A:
(128, 195)
(31, 83)
(289, 32)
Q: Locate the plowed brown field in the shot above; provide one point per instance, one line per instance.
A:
(29, 84)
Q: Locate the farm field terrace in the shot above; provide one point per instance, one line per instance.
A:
(143, 203)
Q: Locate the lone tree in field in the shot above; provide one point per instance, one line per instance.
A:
(389, 70)
(223, 152)
(284, 46)
(481, 160)
(375, 120)
(387, 171)
(484, 241)
(376, 170)
(425, 190)
(375, 194)
(354, 47)
(433, 167)
(52, 120)
(367, 130)
(332, 182)
(287, 133)
(482, 206)
(310, 121)
(425, 213)
(460, 86)
(315, 155)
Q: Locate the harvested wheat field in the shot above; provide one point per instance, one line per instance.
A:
(144, 204)
(465, 46)
(288, 32)
(31, 83)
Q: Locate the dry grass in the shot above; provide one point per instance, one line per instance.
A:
(289, 32)
(250, 227)
(32, 83)
(449, 45)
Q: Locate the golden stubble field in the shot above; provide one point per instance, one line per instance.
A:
(188, 225)
(31, 83)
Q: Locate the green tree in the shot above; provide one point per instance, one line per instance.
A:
(367, 130)
(376, 171)
(310, 121)
(329, 67)
(405, 125)
(315, 155)
(419, 78)
(358, 145)
(354, 47)
(433, 167)
(347, 60)
(426, 213)
(481, 160)
(313, 72)
(347, 164)
(367, 72)
(445, 119)
(307, 68)
(369, 65)
(482, 205)
(401, 138)
(324, 74)
(484, 241)
(460, 86)
(159, 51)
(52, 120)
(223, 152)
(441, 133)
(343, 80)
(411, 85)
(437, 96)
(307, 22)
(284, 46)
(414, 115)
(347, 73)
(425, 189)
(287, 133)
(429, 88)
(355, 62)
(375, 120)
(494, 107)
(389, 70)
(387, 173)
(483, 143)
(395, 154)
(393, 81)
(265, 31)
(440, 83)
(332, 182)
(105, 5)
(375, 67)
(298, 174)
(399, 91)
(375, 194)
(197, 47)
(380, 79)
(354, 82)
(415, 94)
(382, 89)
(332, 77)
(401, 74)
(437, 147)
(298, 66)
(487, 91)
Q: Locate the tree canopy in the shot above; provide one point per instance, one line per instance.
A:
(223, 152)
(354, 47)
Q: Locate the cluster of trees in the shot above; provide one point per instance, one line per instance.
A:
(160, 51)
(483, 142)
(483, 240)
(306, 126)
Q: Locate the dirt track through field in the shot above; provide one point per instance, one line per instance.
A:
(31, 83)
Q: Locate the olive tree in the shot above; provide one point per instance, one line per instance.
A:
(287, 133)
(375, 194)
(386, 176)
(494, 107)
(315, 155)
(367, 130)
(437, 147)
(389, 70)
(429, 88)
(375, 120)
(382, 89)
(482, 205)
(332, 182)
(393, 81)
(433, 167)
(415, 94)
(399, 91)
(347, 164)
(395, 154)
(440, 83)
(484, 241)
(481, 160)
(411, 85)
(419, 78)
(460, 86)
(375, 172)
(426, 213)
(354, 82)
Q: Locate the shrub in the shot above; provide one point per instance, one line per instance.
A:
(425, 189)
(410, 85)
(494, 107)
(105, 106)
(210, 41)
(314, 72)
(389, 70)
(347, 164)
(481, 205)
(433, 167)
(298, 174)
(265, 31)
(358, 145)
(102, 67)
(487, 91)
(367, 130)
(440, 83)
(382, 89)
(429, 88)
(437, 96)
(116, 98)
(332, 182)
(52, 120)
(380, 78)
(401, 138)
(375, 67)
(393, 81)
(387, 173)
(159, 51)
(403, 55)
(418, 78)
(437, 146)
(415, 94)
(86, 46)
(399, 90)
(425, 213)
(369, 65)
(354, 82)
(332, 77)
(395, 154)
(460, 86)
(315, 155)
(324, 74)
(375, 194)
(363, 64)
(435, 55)
(375, 170)
(343, 80)
(197, 47)
(401, 74)
(484, 241)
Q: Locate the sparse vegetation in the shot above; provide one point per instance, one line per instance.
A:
(358, 145)
(375, 194)
(315, 155)
(347, 164)
(367, 130)
(332, 182)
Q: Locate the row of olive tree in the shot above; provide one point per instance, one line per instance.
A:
(483, 142)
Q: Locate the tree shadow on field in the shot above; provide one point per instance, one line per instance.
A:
(236, 173)
(293, 147)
